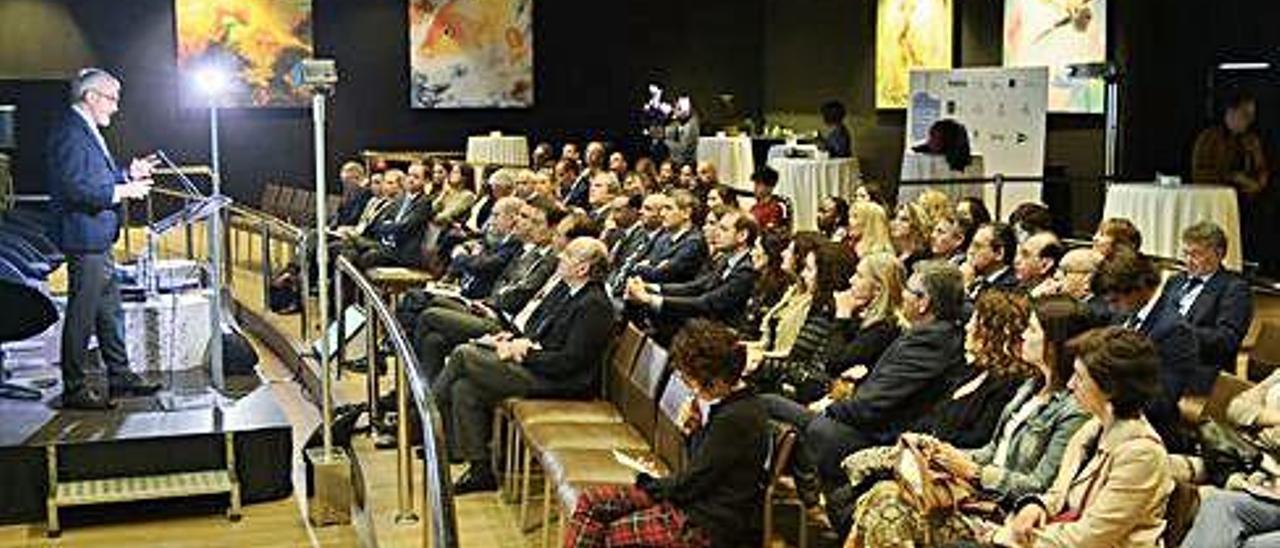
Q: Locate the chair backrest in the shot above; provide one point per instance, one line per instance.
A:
(284, 202)
(1264, 357)
(303, 207)
(777, 466)
(270, 197)
(332, 203)
(622, 361)
(639, 405)
(668, 440)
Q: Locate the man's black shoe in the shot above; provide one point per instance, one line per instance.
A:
(478, 478)
(87, 399)
(130, 384)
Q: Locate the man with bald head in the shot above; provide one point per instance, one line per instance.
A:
(86, 188)
(558, 355)
(1036, 260)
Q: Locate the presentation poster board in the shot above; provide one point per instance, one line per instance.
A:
(1054, 34)
(1004, 110)
(910, 34)
(471, 54)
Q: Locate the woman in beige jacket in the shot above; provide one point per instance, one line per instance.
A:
(1114, 481)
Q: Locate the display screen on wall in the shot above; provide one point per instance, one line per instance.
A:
(1054, 34)
(253, 42)
(471, 53)
(910, 34)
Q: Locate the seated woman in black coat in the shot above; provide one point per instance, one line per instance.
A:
(716, 499)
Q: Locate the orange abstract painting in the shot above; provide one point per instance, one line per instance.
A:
(471, 53)
(256, 42)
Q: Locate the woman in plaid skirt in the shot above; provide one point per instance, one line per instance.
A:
(716, 500)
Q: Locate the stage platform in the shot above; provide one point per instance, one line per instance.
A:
(181, 429)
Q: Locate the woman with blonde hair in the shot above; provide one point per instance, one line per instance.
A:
(909, 230)
(868, 229)
(868, 316)
(936, 204)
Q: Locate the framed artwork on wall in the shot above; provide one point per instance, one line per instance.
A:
(471, 54)
(910, 34)
(1054, 34)
(250, 44)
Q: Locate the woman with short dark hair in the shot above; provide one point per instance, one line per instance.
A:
(1114, 482)
(716, 499)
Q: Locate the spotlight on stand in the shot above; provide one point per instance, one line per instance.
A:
(211, 81)
(332, 494)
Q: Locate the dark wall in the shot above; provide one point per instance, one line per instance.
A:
(582, 89)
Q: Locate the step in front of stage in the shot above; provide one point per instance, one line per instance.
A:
(143, 437)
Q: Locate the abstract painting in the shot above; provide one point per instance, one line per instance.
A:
(1056, 33)
(254, 42)
(471, 53)
(910, 34)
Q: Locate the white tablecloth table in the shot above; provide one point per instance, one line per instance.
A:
(502, 150)
(808, 181)
(732, 157)
(1162, 212)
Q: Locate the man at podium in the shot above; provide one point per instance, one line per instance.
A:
(86, 188)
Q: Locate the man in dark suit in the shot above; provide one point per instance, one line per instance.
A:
(1129, 282)
(558, 356)
(577, 193)
(398, 235)
(355, 195)
(989, 263)
(679, 253)
(719, 294)
(636, 244)
(906, 380)
(86, 188)
(447, 324)
(477, 264)
(1216, 303)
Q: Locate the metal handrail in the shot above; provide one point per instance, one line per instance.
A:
(438, 491)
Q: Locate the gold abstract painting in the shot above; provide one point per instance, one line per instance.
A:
(910, 34)
(254, 42)
(471, 53)
(1054, 34)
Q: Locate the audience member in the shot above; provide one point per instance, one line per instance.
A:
(720, 293)
(909, 377)
(618, 165)
(557, 356)
(677, 255)
(1129, 283)
(1036, 261)
(714, 500)
(800, 373)
(833, 218)
(1114, 482)
(355, 195)
(1116, 232)
(1215, 302)
(907, 230)
(576, 195)
(1029, 219)
(772, 281)
(947, 242)
(989, 263)
(973, 211)
(769, 210)
(398, 236)
(868, 229)
(543, 157)
(868, 317)
(1234, 516)
(781, 324)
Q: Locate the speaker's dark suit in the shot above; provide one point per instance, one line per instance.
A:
(82, 180)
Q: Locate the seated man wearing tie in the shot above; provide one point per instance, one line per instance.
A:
(477, 264)
(989, 262)
(1216, 303)
(558, 356)
(680, 252)
(447, 324)
(398, 234)
(719, 294)
(1129, 283)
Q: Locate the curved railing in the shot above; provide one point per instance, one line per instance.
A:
(437, 494)
(437, 498)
